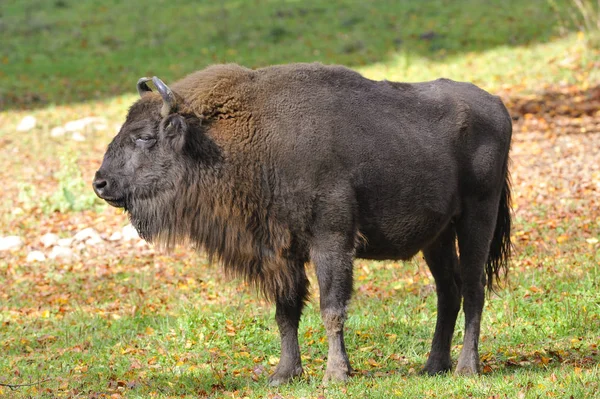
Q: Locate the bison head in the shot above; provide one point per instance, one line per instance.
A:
(157, 153)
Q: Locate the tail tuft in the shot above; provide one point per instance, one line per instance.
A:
(501, 246)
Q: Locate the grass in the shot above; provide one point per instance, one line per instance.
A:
(172, 327)
(125, 321)
(64, 51)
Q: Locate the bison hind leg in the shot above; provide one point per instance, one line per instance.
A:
(475, 230)
(443, 262)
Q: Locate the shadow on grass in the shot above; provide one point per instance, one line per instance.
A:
(67, 51)
(570, 101)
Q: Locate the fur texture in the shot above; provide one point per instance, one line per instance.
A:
(266, 170)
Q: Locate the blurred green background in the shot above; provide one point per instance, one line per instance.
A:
(63, 51)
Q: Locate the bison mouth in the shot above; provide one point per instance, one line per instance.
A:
(116, 202)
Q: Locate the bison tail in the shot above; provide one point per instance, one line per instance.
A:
(501, 246)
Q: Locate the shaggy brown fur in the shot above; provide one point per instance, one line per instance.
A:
(266, 170)
(223, 210)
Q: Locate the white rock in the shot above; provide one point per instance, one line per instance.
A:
(65, 242)
(76, 136)
(49, 240)
(116, 236)
(86, 234)
(57, 131)
(26, 124)
(94, 241)
(130, 233)
(36, 256)
(61, 252)
(10, 242)
(81, 124)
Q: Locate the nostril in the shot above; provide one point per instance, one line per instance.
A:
(100, 185)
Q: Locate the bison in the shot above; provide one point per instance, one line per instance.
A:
(267, 170)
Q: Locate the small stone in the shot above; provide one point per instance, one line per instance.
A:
(116, 236)
(86, 234)
(26, 124)
(77, 137)
(36, 256)
(93, 241)
(65, 242)
(57, 131)
(81, 124)
(9, 243)
(49, 240)
(61, 252)
(130, 233)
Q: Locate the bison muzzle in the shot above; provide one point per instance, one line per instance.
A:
(267, 170)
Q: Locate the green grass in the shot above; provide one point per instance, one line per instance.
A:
(128, 322)
(65, 51)
(173, 327)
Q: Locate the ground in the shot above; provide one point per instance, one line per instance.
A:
(110, 316)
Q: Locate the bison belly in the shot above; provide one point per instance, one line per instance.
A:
(397, 216)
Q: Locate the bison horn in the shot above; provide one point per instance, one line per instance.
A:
(169, 101)
(142, 87)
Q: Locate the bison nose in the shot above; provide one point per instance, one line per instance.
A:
(100, 186)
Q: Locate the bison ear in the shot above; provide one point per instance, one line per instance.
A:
(173, 131)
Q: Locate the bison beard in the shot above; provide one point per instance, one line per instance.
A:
(268, 170)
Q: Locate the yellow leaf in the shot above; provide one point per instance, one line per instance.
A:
(149, 331)
(535, 289)
(561, 239)
(545, 360)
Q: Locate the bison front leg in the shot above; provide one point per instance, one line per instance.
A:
(288, 309)
(334, 273)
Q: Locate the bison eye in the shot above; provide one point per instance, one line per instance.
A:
(144, 141)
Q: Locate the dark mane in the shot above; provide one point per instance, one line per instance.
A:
(219, 205)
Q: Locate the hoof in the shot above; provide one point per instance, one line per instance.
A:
(339, 375)
(467, 366)
(435, 371)
(436, 367)
(283, 376)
